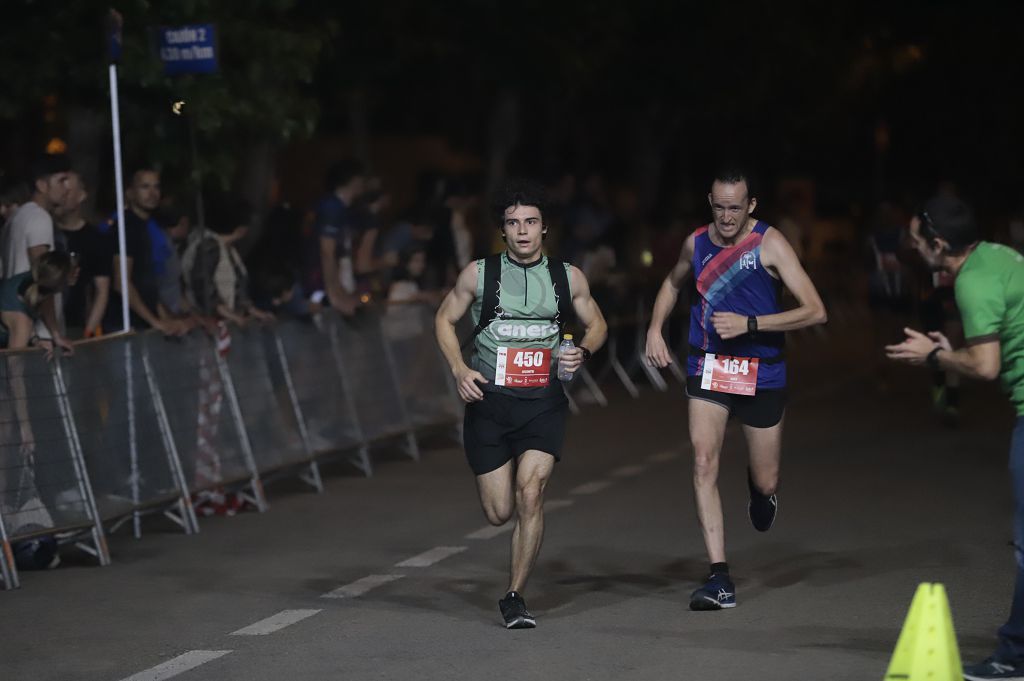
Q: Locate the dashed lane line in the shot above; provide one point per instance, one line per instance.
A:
(628, 471)
(178, 665)
(428, 558)
(592, 487)
(361, 586)
(277, 622)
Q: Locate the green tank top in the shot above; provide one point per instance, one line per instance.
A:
(527, 319)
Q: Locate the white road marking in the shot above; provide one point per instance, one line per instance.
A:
(491, 531)
(274, 623)
(663, 457)
(628, 471)
(556, 504)
(361, 586)
(591, 487)
(178, 665)
(434, 555)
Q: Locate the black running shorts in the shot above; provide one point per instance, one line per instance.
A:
(763, 409)
(501, 427)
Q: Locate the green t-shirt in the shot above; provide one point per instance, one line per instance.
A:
(990, 295)
(527, 320)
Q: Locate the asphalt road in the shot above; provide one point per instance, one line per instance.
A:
(875, 498)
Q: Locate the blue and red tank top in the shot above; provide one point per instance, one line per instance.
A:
(732, 279)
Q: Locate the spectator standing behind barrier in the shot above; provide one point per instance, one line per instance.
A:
(216, 280)
(22, 299)
(30, 232)
(143, 197)
(329, 267)
(92, 254)
(989, 289)
(175, 226)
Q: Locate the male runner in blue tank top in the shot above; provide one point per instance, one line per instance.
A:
(515, 406)
(736, 363)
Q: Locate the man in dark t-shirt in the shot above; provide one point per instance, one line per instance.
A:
(85, 299)
(143, 196)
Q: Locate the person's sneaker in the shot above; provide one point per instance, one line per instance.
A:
(993, 669)
(718, 592)
(762, 508)
(514, 612)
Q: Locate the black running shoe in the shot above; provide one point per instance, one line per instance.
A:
(514, 612)
(993, 669)
(762, 508)
(717, 593)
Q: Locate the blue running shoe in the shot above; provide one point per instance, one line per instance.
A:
(717, 593)
(993, 669)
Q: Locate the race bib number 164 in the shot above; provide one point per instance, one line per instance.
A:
(733, 375)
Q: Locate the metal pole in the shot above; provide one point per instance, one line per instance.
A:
(115, 117)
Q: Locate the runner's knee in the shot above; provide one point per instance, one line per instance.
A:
(530, 497)
(705, 464)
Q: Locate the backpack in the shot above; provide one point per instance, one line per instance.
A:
(491, 307)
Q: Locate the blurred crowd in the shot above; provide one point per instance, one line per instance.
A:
(60, 269)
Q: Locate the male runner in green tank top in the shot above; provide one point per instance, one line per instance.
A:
(515, 406)
(989, 288)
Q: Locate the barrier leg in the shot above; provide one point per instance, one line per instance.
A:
(362, 458)
(620, 371)
(257, 497)
(186, 516)
(8, 571)
(133, 444)
(593, 387)
(312, 475)
(99, 541)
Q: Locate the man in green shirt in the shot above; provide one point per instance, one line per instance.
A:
(989, 289)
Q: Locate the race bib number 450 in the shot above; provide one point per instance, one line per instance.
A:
(733, 375)
(522, 368)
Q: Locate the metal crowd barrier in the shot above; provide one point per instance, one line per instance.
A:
(44, 486)
(204, 416)
(269, 407)
(139, 424)
(325, 400)
(426, 387)
(366, 364)
(126, 439)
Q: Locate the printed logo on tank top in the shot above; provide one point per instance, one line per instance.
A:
(506, 330)
(748, 261)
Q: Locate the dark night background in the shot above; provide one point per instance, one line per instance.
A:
(860, 101)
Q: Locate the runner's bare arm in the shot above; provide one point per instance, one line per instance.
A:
(453, 307)
(589, 314)
(657, 351)
(777, 254)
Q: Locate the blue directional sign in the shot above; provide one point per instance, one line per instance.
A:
(188, 49)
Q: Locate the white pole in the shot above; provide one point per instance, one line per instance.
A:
(115, 115)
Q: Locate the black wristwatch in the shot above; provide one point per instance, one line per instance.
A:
(586, 353)
(932, 360)
(752, 325)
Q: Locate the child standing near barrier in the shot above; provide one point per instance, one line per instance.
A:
(22, 298)
(515, 408)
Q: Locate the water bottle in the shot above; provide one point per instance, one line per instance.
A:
(565, 345)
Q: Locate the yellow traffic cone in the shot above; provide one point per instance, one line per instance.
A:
(927, 649)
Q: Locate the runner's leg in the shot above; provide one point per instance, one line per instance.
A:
(533, 472)
(707, 431)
